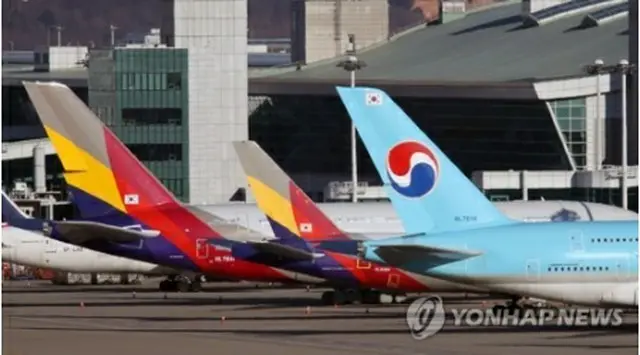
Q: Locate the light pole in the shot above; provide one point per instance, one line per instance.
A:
(597, 69)
(113, 29)
(353, 64)
(59, 29)
(625, 69)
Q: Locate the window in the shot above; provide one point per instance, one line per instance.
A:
(577, 136)
(578, 148)
(562, 113)
(577, 112)
(148, 116)
(156, 152)
(174, 81)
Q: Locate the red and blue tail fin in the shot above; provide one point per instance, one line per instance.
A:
(105, 177)
(292, 214)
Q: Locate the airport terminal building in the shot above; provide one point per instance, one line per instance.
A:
(502, 90)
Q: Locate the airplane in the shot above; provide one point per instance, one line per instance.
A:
(453, 232)
(332, 253)
(125, 211)
(30, 247)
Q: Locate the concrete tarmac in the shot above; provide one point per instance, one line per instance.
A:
(240, 319)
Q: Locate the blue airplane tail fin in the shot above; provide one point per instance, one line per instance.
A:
(428, 191)
(13, 215)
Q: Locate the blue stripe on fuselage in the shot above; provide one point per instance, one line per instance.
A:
(158, 250)
(325, 266)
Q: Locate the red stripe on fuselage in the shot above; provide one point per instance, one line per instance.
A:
(150, 203)
(372, 275)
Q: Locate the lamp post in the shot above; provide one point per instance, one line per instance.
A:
(113, 29)
(625, 69)
(597, 69)
(59, 29)
(353, 64)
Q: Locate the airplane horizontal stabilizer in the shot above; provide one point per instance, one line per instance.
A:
(282, 250)
(79, 232)
(398, 255)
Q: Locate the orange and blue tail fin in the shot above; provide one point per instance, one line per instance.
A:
(292, 214)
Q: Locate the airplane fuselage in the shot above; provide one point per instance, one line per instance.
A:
(183, 245)
(590, 263)
(35, 250)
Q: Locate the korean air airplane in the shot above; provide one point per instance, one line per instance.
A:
(456, 234)
(127, 212)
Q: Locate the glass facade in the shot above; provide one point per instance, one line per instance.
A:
(21, 170)
(147, 108)
(311, 134)
(572, 116)
(19, 118)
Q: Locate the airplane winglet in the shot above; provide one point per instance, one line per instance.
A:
(398, 255)
(79, 232)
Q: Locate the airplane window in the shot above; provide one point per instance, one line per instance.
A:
(555, 269)
(561, 269)
(598, 240)
(587, 268)
(600, 268)
(618, 240)
(575, 268)
(606, 268)
(581, 269)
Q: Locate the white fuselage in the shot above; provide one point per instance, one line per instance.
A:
(379, 220)
(35, 250)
